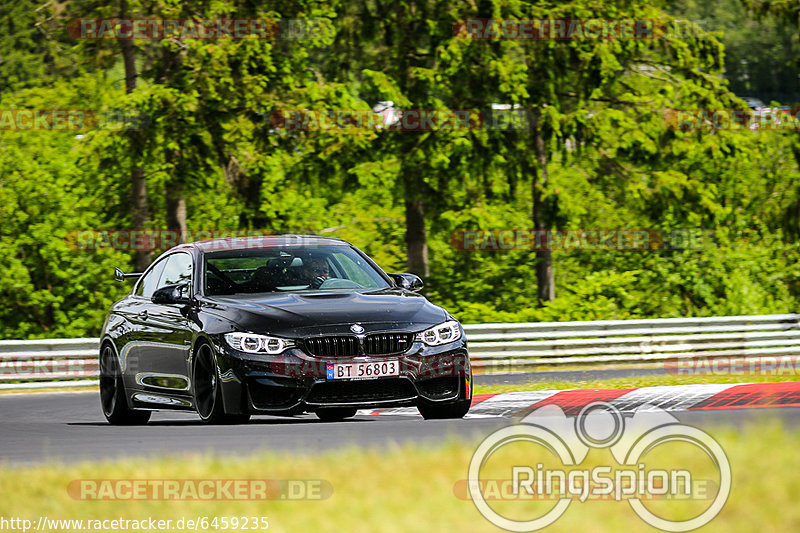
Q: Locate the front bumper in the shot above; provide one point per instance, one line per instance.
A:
(296, 382)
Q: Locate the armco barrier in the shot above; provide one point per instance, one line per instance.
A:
(600, 342)
(493, 347)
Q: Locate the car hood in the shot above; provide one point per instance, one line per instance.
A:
(317, 312)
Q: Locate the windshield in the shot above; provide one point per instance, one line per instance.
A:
(287, 268)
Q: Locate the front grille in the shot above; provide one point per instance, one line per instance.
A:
(332, 346)
(366, 391)
(387, 343)
(348, 345)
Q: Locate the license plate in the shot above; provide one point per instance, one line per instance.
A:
(376, 369)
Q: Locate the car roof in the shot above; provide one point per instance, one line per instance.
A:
(260, 241)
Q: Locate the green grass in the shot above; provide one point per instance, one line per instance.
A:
(402, 489)
(626, 382)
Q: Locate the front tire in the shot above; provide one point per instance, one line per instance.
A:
(456, 409)
(113, 398)
(208, 391)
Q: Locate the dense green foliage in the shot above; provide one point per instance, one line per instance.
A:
(597, 152)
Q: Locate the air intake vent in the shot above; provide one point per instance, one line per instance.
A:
(375, 390)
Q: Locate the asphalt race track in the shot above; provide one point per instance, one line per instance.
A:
(69, 426)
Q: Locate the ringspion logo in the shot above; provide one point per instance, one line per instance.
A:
(554, 468)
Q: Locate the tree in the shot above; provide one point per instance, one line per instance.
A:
(569, 88)
(389, 52)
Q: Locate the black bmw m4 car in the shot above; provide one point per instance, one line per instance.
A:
(278, 325)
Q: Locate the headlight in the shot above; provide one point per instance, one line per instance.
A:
(441, 334)
(252, 343)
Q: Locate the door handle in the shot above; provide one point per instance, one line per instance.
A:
(143, 315)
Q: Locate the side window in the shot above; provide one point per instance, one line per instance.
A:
(177, 270)
(147, 285)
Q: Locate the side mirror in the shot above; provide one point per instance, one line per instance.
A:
(172, 294)
(119, 275)
(410, 282)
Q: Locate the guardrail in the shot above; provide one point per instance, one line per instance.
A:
(631, 341)
(51, 362)
(493, 347)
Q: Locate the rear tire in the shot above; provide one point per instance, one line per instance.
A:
(335, 414)
(208, 392)
(113, 398)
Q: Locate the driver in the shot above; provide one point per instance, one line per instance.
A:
(316, 270)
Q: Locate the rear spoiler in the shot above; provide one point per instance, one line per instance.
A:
(119, 275)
